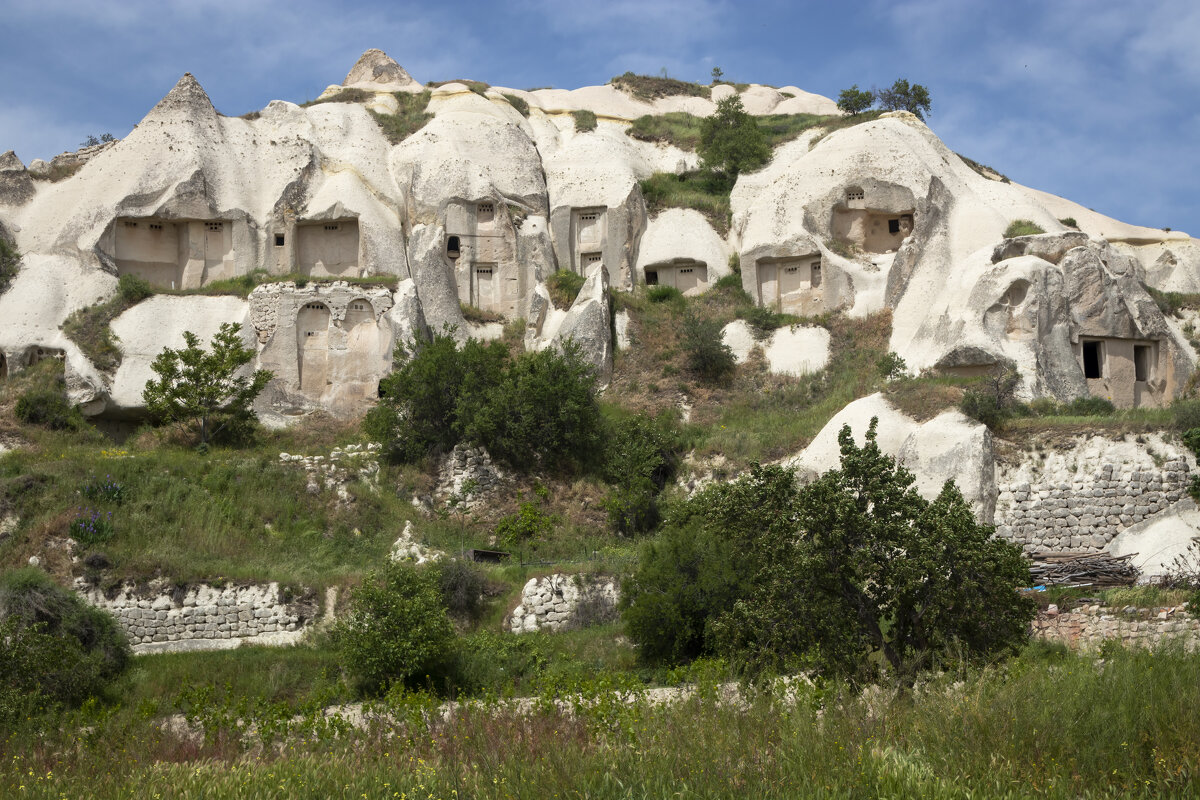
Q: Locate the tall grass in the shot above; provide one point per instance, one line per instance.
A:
(703, 192)
(1048, 725)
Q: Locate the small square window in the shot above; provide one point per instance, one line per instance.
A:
(130, 224)
(332, 227)
(155, 226)
(893, 226)
(279, 240)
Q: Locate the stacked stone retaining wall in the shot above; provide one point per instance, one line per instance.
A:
(561, 601)
(1079, 497)
(202, 617)
(1088, 627)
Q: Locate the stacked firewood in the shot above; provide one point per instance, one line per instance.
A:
(1094, 569)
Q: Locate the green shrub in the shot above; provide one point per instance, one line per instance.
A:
(1022, 227)
(664, 294)
(463, 585)
(10, 263)
(1089, 407)
(892, 366)
(705, 192)
(763, 321)
(478, 315)
(519, 103)
(650, 88)
(584, 120)
(706, 352)
(397, 628)
(134, 289)
(55, 645)
(1069, 222)
(729, 283)
(901, 96)
(564, 287)
(47, 405)
(640, 456)
(994, 402)
(527, 526)
(542, 412)
(1186, 413)
(982, 406)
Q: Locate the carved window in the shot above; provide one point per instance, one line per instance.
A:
(1141, 362)
(591, 258)
(855, 194)
(452, 247)
(315, 306)
(279, 240)
(155, 226)
(358, 306)
(686, 270)
(815, 275)
(333, 226)
(215, 226)
(651, 277)
(893, 226)
(130, 224)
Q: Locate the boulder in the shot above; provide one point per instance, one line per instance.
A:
(1157, 542)
(377, 71)
(587, 324)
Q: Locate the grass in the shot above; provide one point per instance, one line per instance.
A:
(1022, 227)
(1171, 303)
(1047, 725)
(519, 103)
(478, 87)
(675, 128)
(10, 263)
(924, 398)
(409, 119)
(651, 88)
(1070, 222)
(478, 315)
(696, 190)
(584, 120)
(1125, 420)
(564, 287)
(343, 96)
(90, 327)
(243, 285)
(983, 169)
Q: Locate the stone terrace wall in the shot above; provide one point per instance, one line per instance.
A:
(1079, 497)
(1087, 627)
(565, 601)
(167, 619)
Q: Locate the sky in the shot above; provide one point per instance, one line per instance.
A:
(1094, 100)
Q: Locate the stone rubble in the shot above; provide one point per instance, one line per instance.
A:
(560, 601)
(467, 477)
(406, 548)
(354, 462)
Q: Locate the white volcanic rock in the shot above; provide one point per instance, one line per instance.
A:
(587, 324)
(159, 322)
(797, 350)
(948, 447)
(683, 237)
(738, 336)
(1157, 542)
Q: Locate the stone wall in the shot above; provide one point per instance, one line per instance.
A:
(467, 476)
(166, 618)
(343, 466)
(1087, 627)
(1080, 494)
(561, 601)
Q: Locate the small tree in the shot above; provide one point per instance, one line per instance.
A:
(854, 100)
(201, 390)
(903, 97)
(10, 261)
(397, 628)
(707, 354)
(717, 74)
(731, 141)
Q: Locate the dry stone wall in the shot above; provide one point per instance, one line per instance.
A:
(1078, 498)
(1088, 627)
(165, 618)
(562, 601)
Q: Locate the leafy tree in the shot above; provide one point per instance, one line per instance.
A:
(903, 97)
(850, 574)
(202, 391)
(432, 395)
(731, 141)
(57, 649)
(707, 354)
(397, 627)
(855, 100)
(640, 456)
(542, 412)
(717, 74)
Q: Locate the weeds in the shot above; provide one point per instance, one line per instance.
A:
(409, 119)
(650, 88)
(584, 120)
(700, 191)
(1022, 227)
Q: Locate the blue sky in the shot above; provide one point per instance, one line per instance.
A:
(1095, 100)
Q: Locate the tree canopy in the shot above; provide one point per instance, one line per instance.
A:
(205, 391)
(731, 141)
(855, 100)
(851, 574)
(901, 96)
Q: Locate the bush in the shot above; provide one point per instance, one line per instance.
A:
(705, 192)
(1090, 407)
(650, 88)
(1069, 222)
(854, 100)
(134, 289)
(892, 366)
(584, 120)
(640, 457)
(10, 262)
(463, 585)
(56, 646)
(519, 103)
(564, 287)
(763, 320)
(527, 526)
(676, 128)
(409, 119)
(663, 294)
(542, 412)
(1186, 413)
(731, 283)
(706, 352)
(47, 405)
(397, 628)
(994, 402)
(1022, 227)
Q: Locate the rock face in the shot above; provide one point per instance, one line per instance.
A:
(1163, 542)
(480, 205)
(558, 602)
(948, 447)
(588, 327)
(1079, 497)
